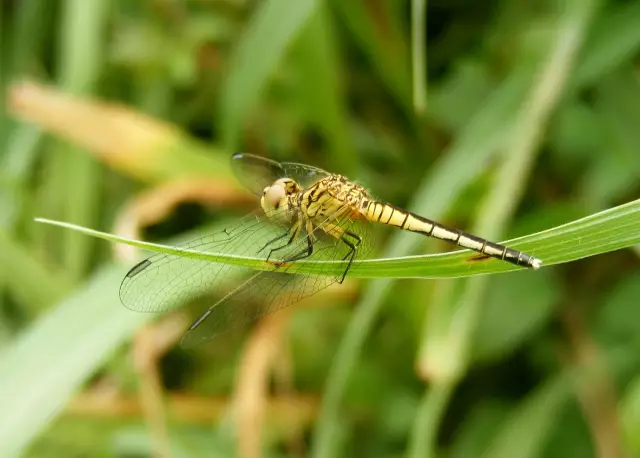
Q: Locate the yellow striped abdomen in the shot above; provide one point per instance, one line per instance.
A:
(379, 212)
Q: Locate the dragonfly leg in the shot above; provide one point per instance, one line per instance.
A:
(280, 237)
(341, 234)
(296, 230)
(296, 257)
(304, 253)
(353, 247)
(308, 251)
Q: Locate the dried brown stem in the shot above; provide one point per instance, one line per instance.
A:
(253, 381)
(149, 346)
(595, 391)
(155, 204)
(196, 410)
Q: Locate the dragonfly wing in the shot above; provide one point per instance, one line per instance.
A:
(261, 294)
(304, 175)
(256, 172)
(268, 291)
(165, 282)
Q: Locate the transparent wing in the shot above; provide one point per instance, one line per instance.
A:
(256, 172)
(265, 292)
(164, 282)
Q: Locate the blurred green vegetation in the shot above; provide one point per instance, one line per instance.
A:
(528, 121)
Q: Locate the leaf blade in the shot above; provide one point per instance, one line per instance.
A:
(50, 346)
(609, 230)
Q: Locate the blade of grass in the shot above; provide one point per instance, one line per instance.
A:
(615, 38)
(419, 54)
(67, 344)
(617, 110)
(432, 408)
(630, 415)
(28, 34)
(524, 432)
(74, 176)
(268, 36)
(502, 329)
(481, 422)
(28, 281)
(380, 36)
(21, 154)
(5, 125)
(322, 96)
(27, 31)
(606, 231)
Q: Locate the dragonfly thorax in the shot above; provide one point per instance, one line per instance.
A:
(276, 199)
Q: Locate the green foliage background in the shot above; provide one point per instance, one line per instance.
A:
(529, 120)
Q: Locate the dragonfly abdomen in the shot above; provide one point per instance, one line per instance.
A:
(388, 214)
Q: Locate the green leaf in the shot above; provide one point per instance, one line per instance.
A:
(320, 85)
(454, 102)
(82, 29)
(67, 344)
(631, 415)
(477, 428)
(432, 407)
(614, 39)
(524, 433)
(576, 132)
(268, 37)
(609, 230)
(574, 438)
(618, 320)
(20, 271)
(517, 306)
(614, 175)
(379, 34)
(419, 54)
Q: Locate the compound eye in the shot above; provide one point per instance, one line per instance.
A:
(274, 194)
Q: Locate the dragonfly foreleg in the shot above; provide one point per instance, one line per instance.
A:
(296, 228)
(280, 237)
(304, 253)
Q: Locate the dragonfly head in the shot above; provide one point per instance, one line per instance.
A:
(275, 198)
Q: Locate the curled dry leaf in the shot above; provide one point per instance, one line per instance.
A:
(128, 141)
(155, 204)
(150, 344)
(284, 410)
(253, 382)
(259, 359)
(111, 131)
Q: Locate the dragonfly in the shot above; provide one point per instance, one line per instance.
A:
(307, 215)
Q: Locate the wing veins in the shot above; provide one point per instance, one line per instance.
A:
(271, 299)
